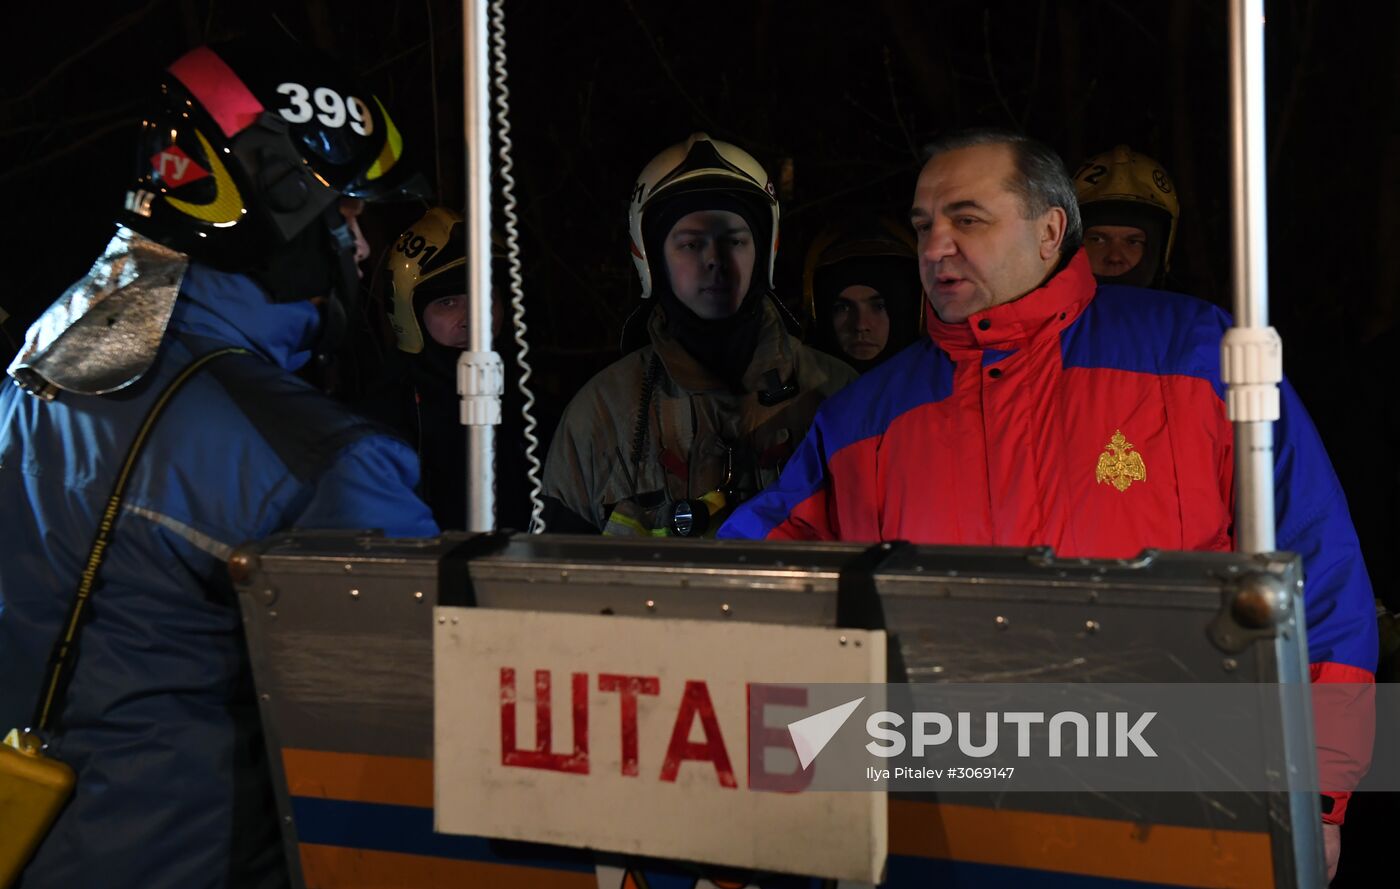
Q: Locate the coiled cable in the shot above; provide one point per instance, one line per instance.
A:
(517, 281)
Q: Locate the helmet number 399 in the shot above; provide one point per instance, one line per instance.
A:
(330, 108)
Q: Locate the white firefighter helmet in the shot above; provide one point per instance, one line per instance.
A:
(701, 164)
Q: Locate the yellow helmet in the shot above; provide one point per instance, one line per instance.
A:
(1123, 176)
(427, 260)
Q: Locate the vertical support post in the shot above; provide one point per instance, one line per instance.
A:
(1251, 354)
(1251, 365)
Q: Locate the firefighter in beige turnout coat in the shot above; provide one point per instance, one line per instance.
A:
(671, 437)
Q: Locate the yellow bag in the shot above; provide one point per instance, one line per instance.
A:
(33, 789)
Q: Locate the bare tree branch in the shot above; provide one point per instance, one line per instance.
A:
(930, 78)
(432, 85)
(1072, 102)
(991, 66)
(710, 123)
(1035, 63)
(1301, 67)
(894, 104)
(1146, 32)
(384, 63)
(1191, 231)
(106, 114)
(71, 147)
(118, 27)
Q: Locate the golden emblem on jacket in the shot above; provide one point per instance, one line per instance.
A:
(1120, 465)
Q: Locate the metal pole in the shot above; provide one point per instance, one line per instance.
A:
(1251, 359)
(1252, 354)
(479, 373)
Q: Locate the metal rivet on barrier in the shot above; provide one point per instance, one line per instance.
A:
(1091, 626)
(1002, 623)
(349, 567)
(454, 620)
(843, 640)
(418, 595)
(1229, 664)
(240, 566)
(265, 696)
(724, 607)
(354, 594)
(651, 604)
(269, 596)
(441, 619)
(272, 615)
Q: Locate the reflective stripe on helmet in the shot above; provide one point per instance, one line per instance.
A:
(393, 146)
(227, 206)
(210, 80)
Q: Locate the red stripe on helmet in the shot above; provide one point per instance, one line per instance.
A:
(210, 80)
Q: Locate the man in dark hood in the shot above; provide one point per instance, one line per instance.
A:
(863, 297)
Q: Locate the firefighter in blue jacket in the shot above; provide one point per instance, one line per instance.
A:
(239, 231)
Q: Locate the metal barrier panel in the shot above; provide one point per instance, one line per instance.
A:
(340, 631)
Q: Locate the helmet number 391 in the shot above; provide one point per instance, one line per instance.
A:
(410, 245)
(330, 108)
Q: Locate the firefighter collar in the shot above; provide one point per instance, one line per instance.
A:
(773, 353)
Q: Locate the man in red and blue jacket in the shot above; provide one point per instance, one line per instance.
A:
(1045, 410)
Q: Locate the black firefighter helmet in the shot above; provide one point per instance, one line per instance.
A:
(244, 159)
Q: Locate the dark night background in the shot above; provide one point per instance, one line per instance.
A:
(835, 99)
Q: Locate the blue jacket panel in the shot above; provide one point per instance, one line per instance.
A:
(159, 719)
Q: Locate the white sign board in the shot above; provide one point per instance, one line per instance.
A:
(634, 735)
